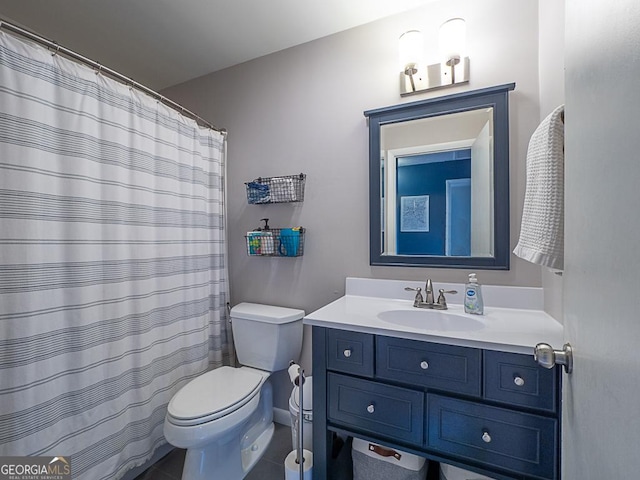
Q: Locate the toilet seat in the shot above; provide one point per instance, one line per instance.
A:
(213, 395)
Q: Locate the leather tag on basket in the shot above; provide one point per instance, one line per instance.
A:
(384, 452)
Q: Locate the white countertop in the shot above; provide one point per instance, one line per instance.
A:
(502, 328)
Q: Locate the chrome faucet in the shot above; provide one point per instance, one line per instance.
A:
(428, 292)
(428, 300)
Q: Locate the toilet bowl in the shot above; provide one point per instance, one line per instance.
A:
(223, 437)
(224, 417)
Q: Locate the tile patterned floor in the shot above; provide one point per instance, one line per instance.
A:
(270, 466)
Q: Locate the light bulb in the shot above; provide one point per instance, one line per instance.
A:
(452, 41)
(410, 47)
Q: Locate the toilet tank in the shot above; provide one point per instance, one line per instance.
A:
(265, 336)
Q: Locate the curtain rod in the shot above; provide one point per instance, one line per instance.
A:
(102, 69)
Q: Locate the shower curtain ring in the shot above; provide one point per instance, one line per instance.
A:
(99, 69)
(56, 51)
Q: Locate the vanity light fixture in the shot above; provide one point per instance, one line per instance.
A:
(453, 69)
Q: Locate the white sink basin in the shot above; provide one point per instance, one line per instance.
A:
(431, 320)
(513, 319)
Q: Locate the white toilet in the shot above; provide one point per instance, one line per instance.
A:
(224, 417)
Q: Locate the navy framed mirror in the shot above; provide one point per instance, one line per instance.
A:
(439, 181)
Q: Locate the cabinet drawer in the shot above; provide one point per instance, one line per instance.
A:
(518, 442)
(394, 412)
(445, 367)
(350, 352)
(519, 380)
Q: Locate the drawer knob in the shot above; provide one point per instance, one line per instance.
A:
(519, 381)
(424, 365)
(486, 438)
(347, 353)
(371, 408)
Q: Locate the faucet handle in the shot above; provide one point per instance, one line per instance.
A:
(418, 300)
(441, 300)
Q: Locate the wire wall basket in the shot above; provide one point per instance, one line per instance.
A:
(289, 188)
(276, 242)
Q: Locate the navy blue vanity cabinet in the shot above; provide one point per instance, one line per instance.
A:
(490, 412)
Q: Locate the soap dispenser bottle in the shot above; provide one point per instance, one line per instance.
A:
(473, 296)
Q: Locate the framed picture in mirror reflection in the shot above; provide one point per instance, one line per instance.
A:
(414, 213)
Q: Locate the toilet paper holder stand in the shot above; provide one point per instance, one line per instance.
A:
(296, 375)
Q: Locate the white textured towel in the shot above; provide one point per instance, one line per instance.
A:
(542, 231)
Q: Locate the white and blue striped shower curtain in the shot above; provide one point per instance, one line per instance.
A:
(113, 282)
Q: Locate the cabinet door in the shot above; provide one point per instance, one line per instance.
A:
(392, 412)
(350, 352)
(518, 442)
(518, 380)
(444, 367)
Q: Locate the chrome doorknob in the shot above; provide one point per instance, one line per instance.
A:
(547, 357)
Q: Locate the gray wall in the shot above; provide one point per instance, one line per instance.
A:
(551, 65)
(300, 110)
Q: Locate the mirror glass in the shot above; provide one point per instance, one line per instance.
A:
(439, 181)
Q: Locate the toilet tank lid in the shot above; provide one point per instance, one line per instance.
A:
(266, 313)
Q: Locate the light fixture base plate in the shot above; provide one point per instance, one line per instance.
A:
(436, 76)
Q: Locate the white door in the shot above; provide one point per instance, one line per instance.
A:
(457, 217)
(601, 410)
(482, 194)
